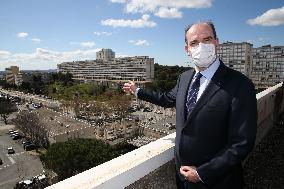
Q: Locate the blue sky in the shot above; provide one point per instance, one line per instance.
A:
(37, 34)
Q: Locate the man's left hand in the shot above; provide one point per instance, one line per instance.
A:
(189, 173)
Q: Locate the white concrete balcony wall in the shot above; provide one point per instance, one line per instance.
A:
(122, 171)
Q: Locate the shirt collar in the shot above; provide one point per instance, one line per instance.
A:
(210, 71)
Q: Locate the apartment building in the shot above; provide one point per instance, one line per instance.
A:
(267, 65)
(263, 65)
(10, 74)
(237, 56)
(105, 55)
(105, 69)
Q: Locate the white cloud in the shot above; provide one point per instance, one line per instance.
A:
(272, 17)
(4, 53)
(139, 23)
(145, 6)
(164, 12)
(102, 33)
(88, 44)
(43, 58)
(118, 1)
(249, 41)
(36, 40)
(139, 42)
(22, 35)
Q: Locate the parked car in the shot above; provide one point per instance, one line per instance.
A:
(39, 181)
(147, 109)
(132, 109)
(24, 143)
(16, 136)
(29, 147)
(13, 131)
(40, 178)
(10, 150)
(24, 184)
(1, 162)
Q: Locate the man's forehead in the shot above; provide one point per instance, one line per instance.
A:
(199, 30)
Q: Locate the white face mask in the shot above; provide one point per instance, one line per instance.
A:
(203, 55)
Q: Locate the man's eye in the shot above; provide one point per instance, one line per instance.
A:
(208, 39)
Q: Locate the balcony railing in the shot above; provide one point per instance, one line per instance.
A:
(151, 166)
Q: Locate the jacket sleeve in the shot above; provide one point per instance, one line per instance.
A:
(242, 124)
(166, 99)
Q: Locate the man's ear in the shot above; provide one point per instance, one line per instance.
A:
(217, 42)
(186, 50)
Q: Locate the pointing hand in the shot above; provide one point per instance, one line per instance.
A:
(129, 87)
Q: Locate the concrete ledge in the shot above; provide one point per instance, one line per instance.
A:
(264, 93)
(120, 172)
(161, 178)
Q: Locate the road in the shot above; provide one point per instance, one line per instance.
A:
(16, 167)
(35, 98)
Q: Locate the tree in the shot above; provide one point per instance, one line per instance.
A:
(26, 87)
(119, 105)
(166, 77)
(33, 128)
(75, 156)
(37, 84)
(6, 107)
(65, 79)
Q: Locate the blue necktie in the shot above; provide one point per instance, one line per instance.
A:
(192, 94)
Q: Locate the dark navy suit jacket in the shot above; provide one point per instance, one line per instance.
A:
(219, 133)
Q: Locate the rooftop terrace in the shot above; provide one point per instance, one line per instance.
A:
(151, 166)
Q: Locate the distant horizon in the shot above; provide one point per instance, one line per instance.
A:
(38, 35)
(186, 65)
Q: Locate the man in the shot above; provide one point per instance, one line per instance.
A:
(216, 115)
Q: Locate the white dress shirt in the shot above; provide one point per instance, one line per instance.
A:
(207, 75)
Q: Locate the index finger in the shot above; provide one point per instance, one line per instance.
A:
(185, 168)
(131, 82)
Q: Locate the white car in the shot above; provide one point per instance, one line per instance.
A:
(10, 150)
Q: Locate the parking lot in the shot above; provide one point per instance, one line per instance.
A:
(18, 166)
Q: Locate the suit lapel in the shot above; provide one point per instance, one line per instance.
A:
(213, 86)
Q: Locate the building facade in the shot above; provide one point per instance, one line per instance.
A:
(105, 55)
(237, 56)
(18, 79)
(138, 68)
(263, 65)
(10, 74)
(267, 66)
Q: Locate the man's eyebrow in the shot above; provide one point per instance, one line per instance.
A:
(209, 37)
(193, 41)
